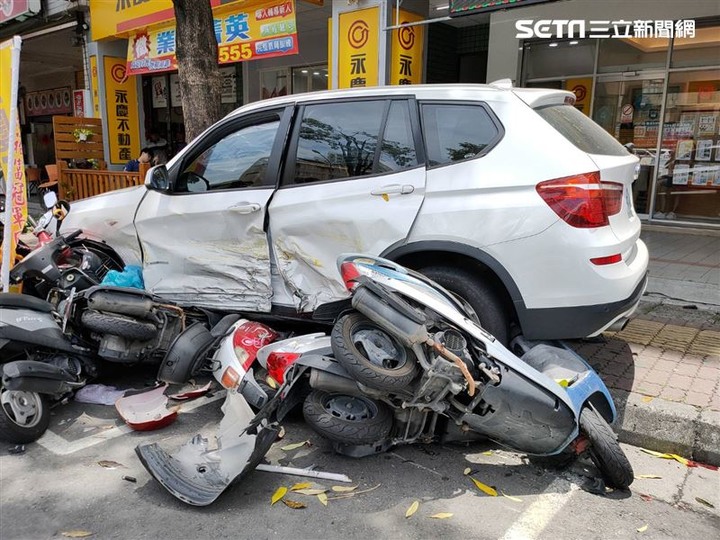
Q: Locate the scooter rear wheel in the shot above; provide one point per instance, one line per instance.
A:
(24, 417)
(371, 355)
(605, 450)
(347, 419)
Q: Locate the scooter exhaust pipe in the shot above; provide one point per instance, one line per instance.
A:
(329, 382)
(618, 325)
(375, 308)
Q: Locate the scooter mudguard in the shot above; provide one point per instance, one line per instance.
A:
(32, 376)
(197, 475)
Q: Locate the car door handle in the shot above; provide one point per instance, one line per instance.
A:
(392, 189)
(244, 208)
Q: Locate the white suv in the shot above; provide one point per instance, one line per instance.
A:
(509, 197)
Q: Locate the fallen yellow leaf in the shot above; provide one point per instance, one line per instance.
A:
(322, 498)
(344, 489)
(294, 504)
(563, 382)
(279, 494)
(680, 459)
(294, 446)
(643, 528)
(413, 508)
(648, 477)
(516, 499)
(484, 488)
(442, 515)
(487, 453)
(303, 485)
(310, 491)
(677, 458)
(467, 471)
(76, 534)
(385, 197)
(703, 501)
(647, 399)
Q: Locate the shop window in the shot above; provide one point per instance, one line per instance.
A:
(338, 140)
(274, 82)
(632, 54)
(457, 132)
(688, 180)
(238, 160)
(397, 151)
(544, 59)
(702, 50)
(309, 79)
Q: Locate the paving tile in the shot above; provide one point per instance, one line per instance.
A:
(649, 389)
(703, 385)
(698, 399)
(686, 369)
(681, 382)
(657, 377)
(707, 342)
(708, 373)
(665, 365)
(673, 394)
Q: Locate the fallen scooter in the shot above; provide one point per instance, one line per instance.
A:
(409, 363)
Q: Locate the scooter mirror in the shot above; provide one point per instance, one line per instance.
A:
(49, 199)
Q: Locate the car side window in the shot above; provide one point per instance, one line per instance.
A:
(338, 140)
(397, 151)
(238, 160)
(456, 132)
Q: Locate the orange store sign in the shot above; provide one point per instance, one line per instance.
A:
(261, 30)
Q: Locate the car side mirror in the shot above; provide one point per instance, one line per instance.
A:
(158, 178)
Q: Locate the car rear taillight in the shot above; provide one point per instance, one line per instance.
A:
(349, 273)
(278, 363)
(610, 259)
(582, 201)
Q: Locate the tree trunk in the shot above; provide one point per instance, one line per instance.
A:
(198, 71)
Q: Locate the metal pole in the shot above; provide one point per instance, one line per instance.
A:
(10, 180)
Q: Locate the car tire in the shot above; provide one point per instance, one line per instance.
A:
(347, 419)
(350, 350)
(15, 431)
(478, 293)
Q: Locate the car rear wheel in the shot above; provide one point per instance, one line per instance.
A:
(478, 293)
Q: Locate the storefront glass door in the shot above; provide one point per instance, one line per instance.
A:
(629, 109)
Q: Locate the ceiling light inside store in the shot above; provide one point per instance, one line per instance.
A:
(303, 71)
(553, 45)
(316, 73)
(440, 8)
(574, 42)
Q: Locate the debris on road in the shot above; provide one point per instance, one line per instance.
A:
(107, 464)
(294, 471)
(147, 411)
(98, 394)
(17, 449)
(129, 478)
(192, 393)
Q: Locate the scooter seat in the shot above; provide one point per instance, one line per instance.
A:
(14, 300)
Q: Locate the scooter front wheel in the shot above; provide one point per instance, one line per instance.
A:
(605, 450)
(24, 417)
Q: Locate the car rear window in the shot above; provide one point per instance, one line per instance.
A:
(581, 130)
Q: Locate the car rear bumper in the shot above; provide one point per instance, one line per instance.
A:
(579, 321)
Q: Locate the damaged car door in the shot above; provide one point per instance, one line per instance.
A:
(202, 236)
(354, 181)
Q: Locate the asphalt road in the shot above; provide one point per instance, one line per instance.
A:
(57, 486)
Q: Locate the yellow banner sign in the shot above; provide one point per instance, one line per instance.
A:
(122, 111)
(406, 60)
(359, 33)
(110, 18)
(95, 85)
(13, 174)
(582, 88)
(258, 31)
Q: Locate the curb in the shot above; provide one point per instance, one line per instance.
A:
(665, 426)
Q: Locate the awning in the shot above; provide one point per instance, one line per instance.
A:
(259, 30)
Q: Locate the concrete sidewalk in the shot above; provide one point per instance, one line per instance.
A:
(663, 368)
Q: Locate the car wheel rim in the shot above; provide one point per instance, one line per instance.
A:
(350, 408)
(22, 408)
(379, 348)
